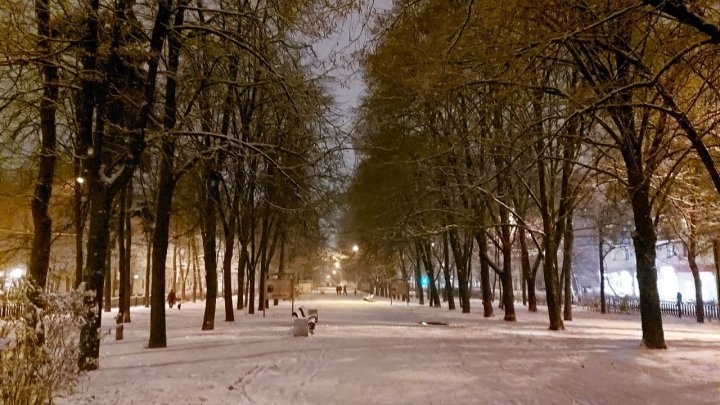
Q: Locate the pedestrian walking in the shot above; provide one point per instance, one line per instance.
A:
(679, 304)
(345, 290)
(171, 298)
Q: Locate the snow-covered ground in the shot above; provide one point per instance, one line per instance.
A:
(375, 353)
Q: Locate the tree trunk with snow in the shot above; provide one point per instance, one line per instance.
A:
(40, 203)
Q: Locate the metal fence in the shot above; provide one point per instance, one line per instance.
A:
(670, 308)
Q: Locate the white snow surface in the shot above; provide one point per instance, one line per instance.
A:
(375, 353)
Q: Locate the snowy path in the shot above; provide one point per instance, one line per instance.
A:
(373, 353)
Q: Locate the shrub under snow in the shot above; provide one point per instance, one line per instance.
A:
(39, 347)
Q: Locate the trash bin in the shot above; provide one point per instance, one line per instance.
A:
(119, 327)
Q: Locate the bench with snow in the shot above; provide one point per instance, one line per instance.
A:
(369, 298)
(304, 321)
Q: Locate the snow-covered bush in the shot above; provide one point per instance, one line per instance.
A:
(39, 347)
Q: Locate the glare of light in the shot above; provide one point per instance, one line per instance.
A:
(432, 244)
(327, 276)
(709, 291)
(668, 283)
(334, 272)
(626, 282)
(16, 273)
(337, 265)
(135, 276)
(424, 281)
(80, 180)
(355, 248)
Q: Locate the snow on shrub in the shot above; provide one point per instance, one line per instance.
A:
(39, 346)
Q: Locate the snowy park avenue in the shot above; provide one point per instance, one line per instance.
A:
(375, 353)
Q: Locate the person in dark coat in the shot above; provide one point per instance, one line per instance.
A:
(345, 290)
(679, 304)
(171, 298)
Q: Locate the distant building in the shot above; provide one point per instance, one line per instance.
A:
(674, 274)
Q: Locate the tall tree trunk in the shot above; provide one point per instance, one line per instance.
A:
(281, 264)
(461, 264)
(209, 233)
(107, 302)
(644, 240)
(101, 194)
(508, 298)
(122, 264)
(128, 250)
(485, 286)
(528, 279)
(184, 270)
(567, 265)
(404, 275)
(419, 293)
(230, 230)
(148, 266)
(115, 280)
(79, 221)
(94, 276)
(692, 255)
(601, 260)
(166, 188)
(253, 258)
(227, 273)
(428, 262)
(265, 253)
(199, 269)
(549, 240)
(42, 223)
(174, 266)
(242, 266)
(195, 269)
(446, 272)
(160, 241)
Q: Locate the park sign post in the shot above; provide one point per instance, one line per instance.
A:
(279, 285)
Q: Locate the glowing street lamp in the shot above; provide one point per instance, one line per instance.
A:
(80, 180)
(355, 248)
(337, 266)
(334, 272)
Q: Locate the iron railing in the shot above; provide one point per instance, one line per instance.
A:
(669, 308)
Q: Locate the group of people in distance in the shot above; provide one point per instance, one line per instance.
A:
(341, 290)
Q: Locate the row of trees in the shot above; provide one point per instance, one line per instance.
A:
(204, 114)
(489, 126)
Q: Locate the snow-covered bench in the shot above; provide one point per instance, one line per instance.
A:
(302, 323)
(369, 298)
